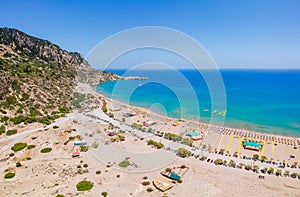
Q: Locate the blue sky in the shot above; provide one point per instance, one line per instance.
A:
(237, 34)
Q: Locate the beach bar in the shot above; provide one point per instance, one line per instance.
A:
(252, 145)
(149, 123)
(195, 135)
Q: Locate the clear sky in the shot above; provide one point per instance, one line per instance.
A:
(238, 34)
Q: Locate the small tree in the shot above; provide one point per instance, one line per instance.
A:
(248, 167)
(263, 158)
(270, 170)
(294, 175)
(232, 163)
(255, 157)
(219, 161)
(286, 173)
(278, 172)
(241, 165)
(104, 108)
(111, 115)
(255, 168)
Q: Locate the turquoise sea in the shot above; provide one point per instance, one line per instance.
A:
(262, 100)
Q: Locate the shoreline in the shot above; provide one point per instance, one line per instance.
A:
(208, 125)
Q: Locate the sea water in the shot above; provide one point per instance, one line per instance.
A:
(261, 100)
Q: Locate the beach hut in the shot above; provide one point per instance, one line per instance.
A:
(176, 123)
(195, 135)
(252, 145)
(149, 123)
(174, 176)
(162, 184)
(80, 143)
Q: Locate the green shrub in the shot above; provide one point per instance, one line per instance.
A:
(28, 158)
(9, 175)
(18, 146)
(11, 132)
(18, 119)
(11, 154)
(145, 183)
(64, 110)
(18, 164)
(84, 185)
(60, 195)
(4, 119)
(104, 194)
(46, 150)
(2, 129)
(125, 163)
(55, 127)
(11, 100)
(149, 189)
(182, 152)
(31, 146)
(98, 172)
(83, 148)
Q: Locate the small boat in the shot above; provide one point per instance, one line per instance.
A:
(205, 110)
(223, 113)
(214, 111)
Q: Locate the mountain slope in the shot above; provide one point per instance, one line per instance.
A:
(37, 78)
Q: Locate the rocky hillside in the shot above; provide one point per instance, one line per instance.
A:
(37, 78)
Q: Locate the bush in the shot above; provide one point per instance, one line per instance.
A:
(60, 195)
(11, 132)
(9, 175)
(104, 108)
(149, 189)
(84, 185)
(2, 129)
(28, 158)
(83, 148)
(182, 152)
(18, 146)
(104, 194)
(11, 154)
(18, 119)
(118, 176)
(31, 146)
(145, 183)
(85, 165)
(125, 163)
(111, 115)
(4, 119)
(64, 110)
(219, 161)
(46, 150)
(95, 145)
(98, 172)
(18, 164)
(55, 127)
